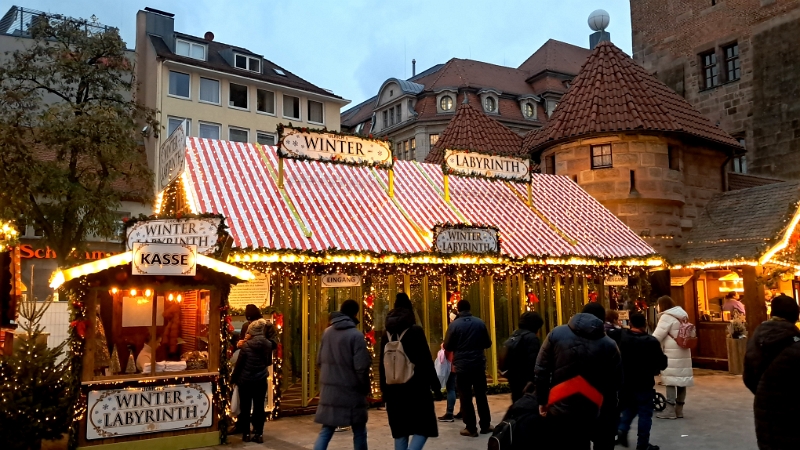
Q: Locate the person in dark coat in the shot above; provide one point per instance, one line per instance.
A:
(467, 337)
(771, 371)
(251, 313)
(642, 360)
(250, 375)
(344, 378)
(412, 417)
(522, 349)
(577, 376)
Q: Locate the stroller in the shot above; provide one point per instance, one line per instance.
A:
(659, 401)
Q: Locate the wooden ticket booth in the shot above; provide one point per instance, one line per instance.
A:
(148, 347)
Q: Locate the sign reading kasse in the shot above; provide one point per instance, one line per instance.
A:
(461, 162)
(164, 259)
(200, 232)
(139, 410)
(322, 146)
(466, 240)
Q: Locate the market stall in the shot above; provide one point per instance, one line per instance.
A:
(148, 347)
(352, 223)
(740, 254)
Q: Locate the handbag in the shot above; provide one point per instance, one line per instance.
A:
(235, 407)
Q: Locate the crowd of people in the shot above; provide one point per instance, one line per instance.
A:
(580, 388)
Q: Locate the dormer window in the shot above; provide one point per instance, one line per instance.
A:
(529, 110)
(190, 49)
(490, 104)
(247, 63)
(446, 103)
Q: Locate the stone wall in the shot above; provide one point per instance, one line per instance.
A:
(762, 107)
(657, 202)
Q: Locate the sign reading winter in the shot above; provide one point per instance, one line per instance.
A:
(164, 259)
(616, 280)
(172, 157)
(340, 280)
(458, 239)
(321, 146)
(462, 162)
(150, 409)
(199, 232)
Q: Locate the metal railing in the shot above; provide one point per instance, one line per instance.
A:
(19, 21)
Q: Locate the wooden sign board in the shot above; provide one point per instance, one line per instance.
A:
(615, 280)
(164, 259)
(200, 232)
(462, 162)
(254, 292)
(322, 146)
(459, 239)
(172, 157)
(335, 280)
(624, 315)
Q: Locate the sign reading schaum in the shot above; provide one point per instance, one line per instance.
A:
(139, 410)
(172, 157)
(322, 146)
(199, 232)
(465, 240)
(461, 162)
(164, 259)
(340, 280)
(615, 280)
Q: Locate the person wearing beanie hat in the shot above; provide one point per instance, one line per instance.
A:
(344, 362)
(578, 373)
(467, 337)
(250, 375)
(771, 371)
(518, 354)
(251, 313)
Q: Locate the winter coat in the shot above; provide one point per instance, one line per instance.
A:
(642, 360)
(254, 360)
(679, 359)
(410, 405)
(520, 361)
(771, 371)
(467, 337)
(580, 348)
(344, 374)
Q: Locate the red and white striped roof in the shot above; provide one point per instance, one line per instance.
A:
(325, 206)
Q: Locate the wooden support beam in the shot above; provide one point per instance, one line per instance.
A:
(754, 298)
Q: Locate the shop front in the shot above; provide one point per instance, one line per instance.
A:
(148, 347)
(321, 230)
(740, 254)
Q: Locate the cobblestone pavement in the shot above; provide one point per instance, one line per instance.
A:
(718, 415)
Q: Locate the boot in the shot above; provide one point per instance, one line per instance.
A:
(258, 439)
(622, 438)
(246, 437)
(668, 413)
(679, 410)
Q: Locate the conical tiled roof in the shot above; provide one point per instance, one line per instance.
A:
(471, 129)
(612, 93)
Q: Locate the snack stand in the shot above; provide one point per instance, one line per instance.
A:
(148, 347)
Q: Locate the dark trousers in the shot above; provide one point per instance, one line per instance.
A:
(566, 433)
(466, 382)
(638, 404)
(252, 394)
(604, 431)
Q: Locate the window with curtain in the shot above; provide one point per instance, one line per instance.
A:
(315, 112)
(209, 130)
(179, 84)
(209, 90)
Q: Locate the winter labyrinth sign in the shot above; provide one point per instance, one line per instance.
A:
(462, 239)
(322, 146)
(140, 410)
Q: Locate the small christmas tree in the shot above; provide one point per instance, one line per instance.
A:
(115, 367)
(34, 386)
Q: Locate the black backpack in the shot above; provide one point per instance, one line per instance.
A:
(521, 427)
(507, 359)
(503, 436)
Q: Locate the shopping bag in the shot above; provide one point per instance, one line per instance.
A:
(442, 366)
(235, 401)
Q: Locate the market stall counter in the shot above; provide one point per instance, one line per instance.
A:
(148, 348)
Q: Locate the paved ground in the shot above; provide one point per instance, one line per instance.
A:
(718, 415)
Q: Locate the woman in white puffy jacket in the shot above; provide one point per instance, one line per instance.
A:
(678, 375)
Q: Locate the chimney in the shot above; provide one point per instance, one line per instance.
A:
(209, 36)
(598, 22)
(413, 67)
(162, 24)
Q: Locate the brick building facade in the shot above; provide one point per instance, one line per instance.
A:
(738, 63)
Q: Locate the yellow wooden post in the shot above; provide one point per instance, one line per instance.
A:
(492, 328)
(407, 284)
(559, 312)
(304, 338)
(530, 194)
(280, 173)
(509, 306)
(523, 297)
(391, 183)
(445, 311)
(585, 291)
(392, 289)
(446, 188)
(426, 324)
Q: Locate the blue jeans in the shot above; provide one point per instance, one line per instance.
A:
(326, 433)
(451, 392)
(638, 404)
(417, 442)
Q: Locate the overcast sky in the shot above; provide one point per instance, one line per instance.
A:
(352, 46)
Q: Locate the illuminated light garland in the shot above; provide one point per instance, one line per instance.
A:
(9, 236)
(369, 336)
(62, 276)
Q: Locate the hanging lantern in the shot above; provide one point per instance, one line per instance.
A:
(532, 298)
